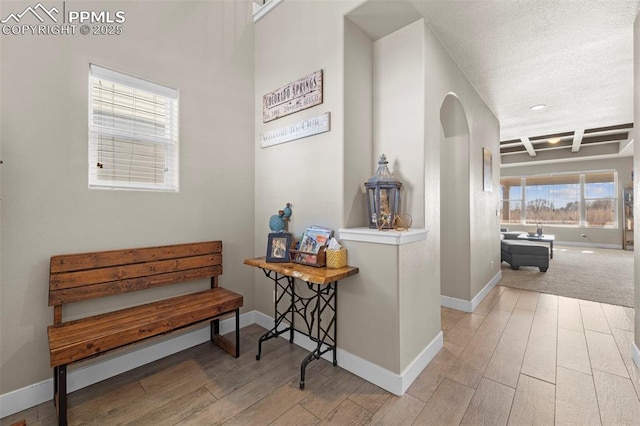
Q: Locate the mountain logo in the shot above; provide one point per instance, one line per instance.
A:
(39, 11)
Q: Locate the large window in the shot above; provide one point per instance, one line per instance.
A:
(570, 199)
(552, 199)
(133, 132)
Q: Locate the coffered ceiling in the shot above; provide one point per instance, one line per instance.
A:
(574, 57)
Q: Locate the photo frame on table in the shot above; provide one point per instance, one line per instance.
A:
(278, 245)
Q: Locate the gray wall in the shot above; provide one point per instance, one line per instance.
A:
(597, 236)
(205, 49)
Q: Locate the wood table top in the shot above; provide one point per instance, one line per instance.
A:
(312, 274)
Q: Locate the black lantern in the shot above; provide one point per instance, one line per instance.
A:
(383, 196)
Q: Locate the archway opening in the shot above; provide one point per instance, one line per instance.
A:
(455, 218)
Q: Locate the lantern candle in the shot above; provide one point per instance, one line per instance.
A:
(383, 196)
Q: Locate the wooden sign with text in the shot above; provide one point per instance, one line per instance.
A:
(309, 127)
(296, 96)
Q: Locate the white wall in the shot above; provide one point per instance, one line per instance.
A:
(295, 39)
(205, 49)
(443, 77)
(455, 222)
(358, 122)
(636, 177)
(398, 112)
(597, 236)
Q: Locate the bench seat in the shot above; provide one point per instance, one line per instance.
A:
(83, 338)
(75, 278)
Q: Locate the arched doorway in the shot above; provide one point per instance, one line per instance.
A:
(455, 274)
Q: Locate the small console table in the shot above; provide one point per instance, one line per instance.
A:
(318, 311)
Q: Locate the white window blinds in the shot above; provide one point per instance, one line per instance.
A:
(133, 132)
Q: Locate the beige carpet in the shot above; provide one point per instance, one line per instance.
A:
(601, 275)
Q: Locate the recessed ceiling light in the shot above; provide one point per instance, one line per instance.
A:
(554, 140)
(537, 107)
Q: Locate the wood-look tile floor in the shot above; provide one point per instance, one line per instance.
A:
(521, 358)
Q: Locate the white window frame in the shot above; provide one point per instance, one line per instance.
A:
(510, 200)
(582, 221)
(136, 144)
(614, 200)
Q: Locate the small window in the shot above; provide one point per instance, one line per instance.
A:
(133, 132)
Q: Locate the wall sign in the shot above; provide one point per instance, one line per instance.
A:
(309, 127)
(296, 96)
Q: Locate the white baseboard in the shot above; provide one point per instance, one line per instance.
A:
(414, 369)
(96, 371)
(589, 245)
(455, 303)
(470, 306)
(379, 376)
(635, 354)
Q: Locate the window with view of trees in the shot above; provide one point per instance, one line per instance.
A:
(600, 199)
(552, 199)
(511, 196)
(571, 199)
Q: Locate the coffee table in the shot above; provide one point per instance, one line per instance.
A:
(545, 238)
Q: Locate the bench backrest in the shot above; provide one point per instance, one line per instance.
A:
(76, 277)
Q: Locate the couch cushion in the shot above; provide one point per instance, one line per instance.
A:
(512, 235)
(524, 247)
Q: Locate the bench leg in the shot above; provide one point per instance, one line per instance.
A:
(215, 329)
(222, 341)
(60, 393)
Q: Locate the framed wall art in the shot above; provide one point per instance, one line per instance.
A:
(301, 94)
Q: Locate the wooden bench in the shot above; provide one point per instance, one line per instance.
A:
(85, 276)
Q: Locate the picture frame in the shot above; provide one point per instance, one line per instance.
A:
(487, 170)
(278, 244)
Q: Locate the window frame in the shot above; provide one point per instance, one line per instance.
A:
(583, 199)
(154, 138)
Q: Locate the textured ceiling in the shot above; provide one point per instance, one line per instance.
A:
(574, 56)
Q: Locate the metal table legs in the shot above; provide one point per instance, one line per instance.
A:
(318, 312)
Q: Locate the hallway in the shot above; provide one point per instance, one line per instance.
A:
(522, 358)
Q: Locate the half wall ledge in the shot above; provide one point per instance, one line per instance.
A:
(391, 237)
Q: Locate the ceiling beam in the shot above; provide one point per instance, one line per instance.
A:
(527, 144)
(626, 147)
(616, 137)
(609, 128)
(577, 140)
